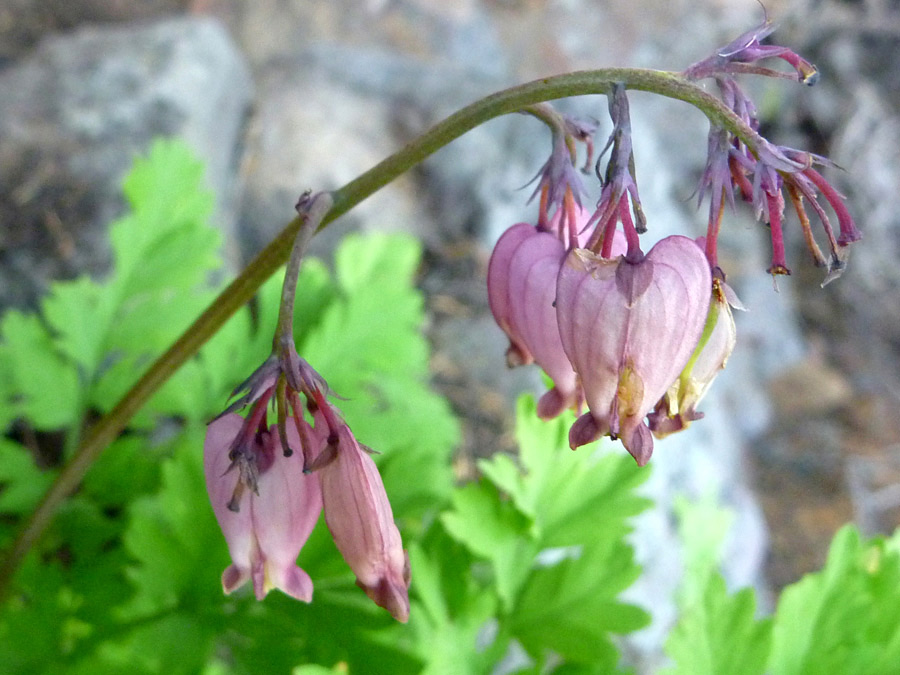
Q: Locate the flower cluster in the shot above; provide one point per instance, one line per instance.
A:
(267, 498)
(639, 338)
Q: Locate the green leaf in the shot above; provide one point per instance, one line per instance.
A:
(368, 344)
(168, 200)
(718, 634)
(78, 314)
(124, 471)
(34, 620)
(315, 292)
(494, 530)
(22, 484)
(385, 261)
(7, 387)
(570, 606)
(173, 536)
(163, 254)
(557, 545)
(316, 670)
(46, 383)
(844, 619)
(573, 497)
(450, 611)
(175, 643)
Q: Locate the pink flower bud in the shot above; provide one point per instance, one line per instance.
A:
(629, 328)
(265, 530)
(361, 522)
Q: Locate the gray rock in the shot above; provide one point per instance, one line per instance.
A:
(74, 115)
(313, 131)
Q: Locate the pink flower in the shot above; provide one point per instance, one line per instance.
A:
(628, 328)
(521, 288)
(522, 279)
(359, 517)
(265, 528)
(499, 297)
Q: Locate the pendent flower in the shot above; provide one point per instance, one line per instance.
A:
(521, 288)
(269, 485)
(359, 516)
(629, 327)
(265, 505)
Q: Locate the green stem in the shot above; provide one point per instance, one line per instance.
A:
(242, 289)
(312, 210)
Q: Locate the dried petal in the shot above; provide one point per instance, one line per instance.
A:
(678, 408)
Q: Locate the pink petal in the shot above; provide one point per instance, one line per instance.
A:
(498, 289)
(629, 329)
(359, 516)
(266, 534)
(237, 527)
(284, 514)
(532, 288)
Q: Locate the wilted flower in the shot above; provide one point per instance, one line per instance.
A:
(629, 328)
(619, 184)
(764, 173)
(266, 519)
(742, 54)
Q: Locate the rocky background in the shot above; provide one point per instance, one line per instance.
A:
(801, 433)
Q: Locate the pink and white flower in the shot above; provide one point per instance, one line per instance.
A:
(628, 328)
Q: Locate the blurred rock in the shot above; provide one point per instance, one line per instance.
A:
(74, 115)
(810, 387)
(24, 22)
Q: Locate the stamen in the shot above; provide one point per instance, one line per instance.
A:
(797, 201)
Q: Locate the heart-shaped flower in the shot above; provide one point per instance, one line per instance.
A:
(521, 288)
(628, 328)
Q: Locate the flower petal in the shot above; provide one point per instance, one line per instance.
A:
(359, 516)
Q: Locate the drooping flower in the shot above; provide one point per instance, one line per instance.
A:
(521, 288)
(265, 505)
(766, 174)
(628, 328)
(267, 498)
(678, 407)
(359, 516)
(522, 276)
